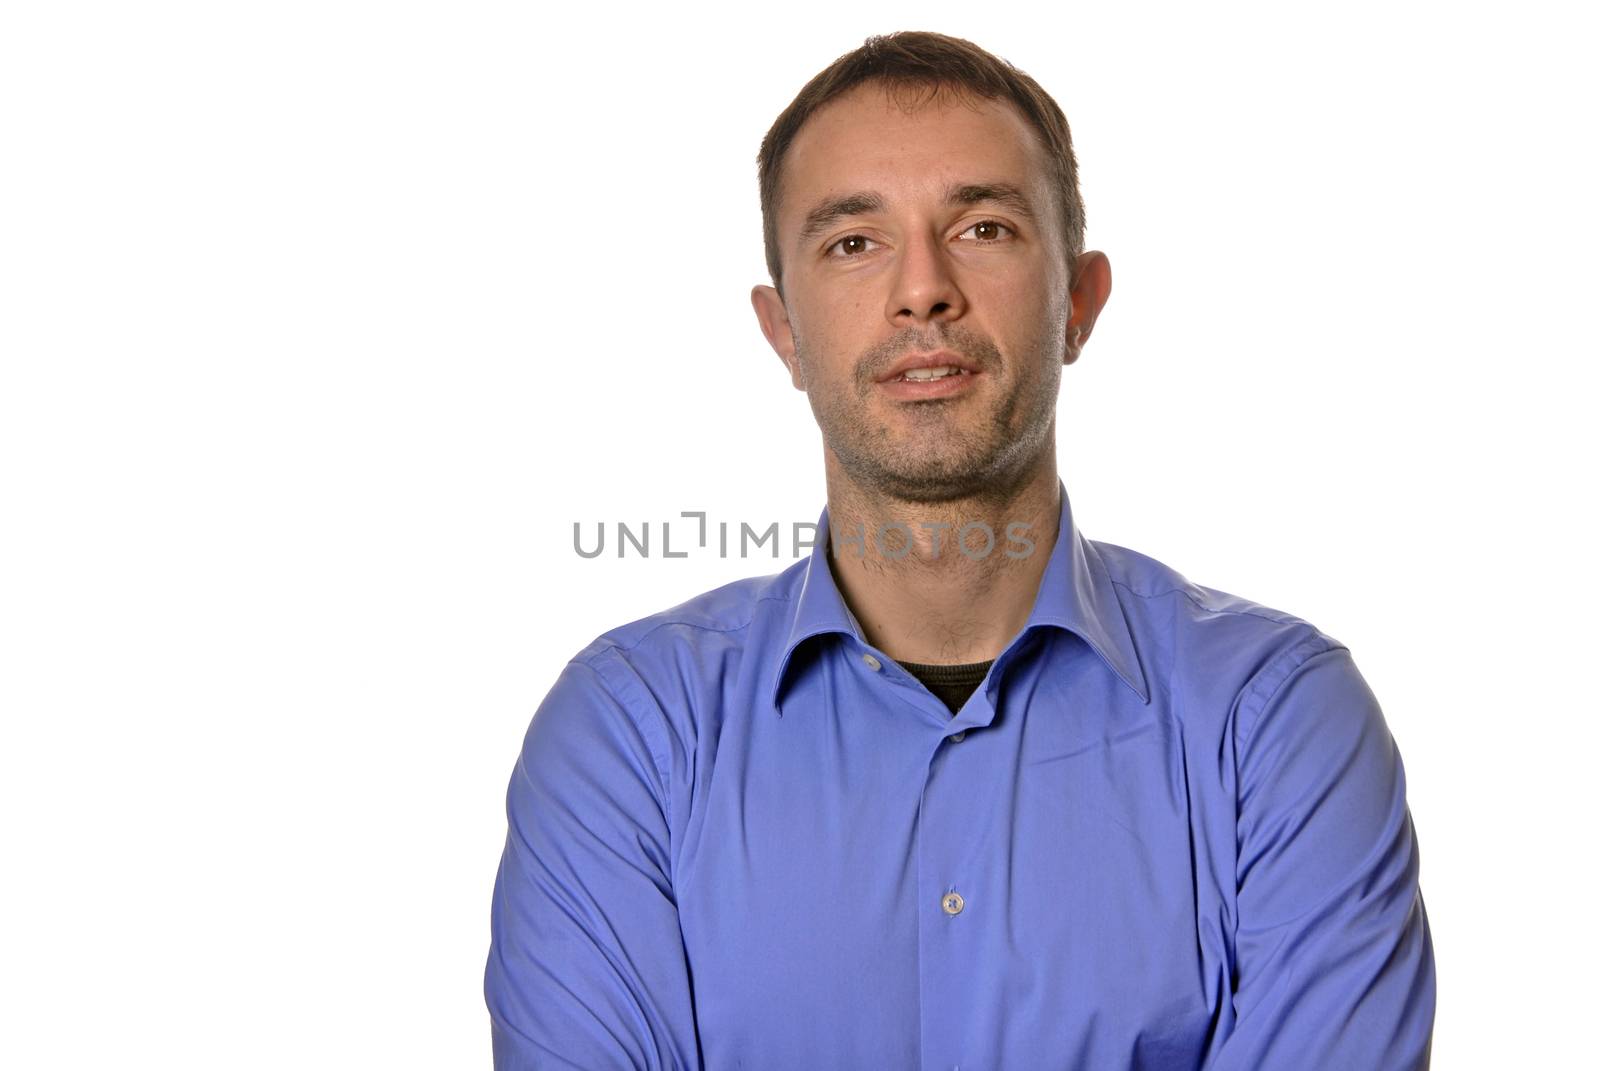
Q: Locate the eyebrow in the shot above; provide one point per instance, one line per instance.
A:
(833, 209)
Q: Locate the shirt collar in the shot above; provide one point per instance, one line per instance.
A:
(1075, 594)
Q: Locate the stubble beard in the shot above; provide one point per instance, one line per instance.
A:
(938, 456)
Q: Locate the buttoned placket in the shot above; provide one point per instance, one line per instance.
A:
(944, 952)
(947, 850)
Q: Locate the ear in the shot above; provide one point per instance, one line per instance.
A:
(1090, 289)
(774, 320)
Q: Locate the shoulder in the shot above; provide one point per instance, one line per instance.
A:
(675, 659)
(1204, 641)
(711, 619)
(664, 679)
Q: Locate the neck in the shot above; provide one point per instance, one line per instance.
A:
(926, 600)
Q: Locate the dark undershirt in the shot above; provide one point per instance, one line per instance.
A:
(952, 684)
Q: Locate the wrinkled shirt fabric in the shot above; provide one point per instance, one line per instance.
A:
(1168, 831)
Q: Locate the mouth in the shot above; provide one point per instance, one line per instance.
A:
(927, 375)
(923, 384)
(920, 376)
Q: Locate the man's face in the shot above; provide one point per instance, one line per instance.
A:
(908, 271)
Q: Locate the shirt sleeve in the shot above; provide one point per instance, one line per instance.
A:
(1334, 963)
(586, 966)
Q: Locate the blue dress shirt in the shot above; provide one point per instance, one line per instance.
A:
(1168, 831)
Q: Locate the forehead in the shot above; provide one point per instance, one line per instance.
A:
(868, 139)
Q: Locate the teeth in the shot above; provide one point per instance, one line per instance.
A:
(932, 373)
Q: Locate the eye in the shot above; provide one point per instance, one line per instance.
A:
(991, 225)
(849, 239)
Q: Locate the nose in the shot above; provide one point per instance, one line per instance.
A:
(925, 287)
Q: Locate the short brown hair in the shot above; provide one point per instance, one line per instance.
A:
(916, 59)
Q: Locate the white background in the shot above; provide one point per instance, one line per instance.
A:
(323, 322)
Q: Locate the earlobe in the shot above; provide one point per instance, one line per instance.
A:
(1078, 334)
(774, 321)
(1091, 288)
(770, 314)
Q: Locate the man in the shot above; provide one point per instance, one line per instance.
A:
(964, 789)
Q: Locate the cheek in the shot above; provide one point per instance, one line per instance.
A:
(831, 346)
(1045, 316)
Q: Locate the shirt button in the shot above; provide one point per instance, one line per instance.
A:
(958, 737)
(872, 663)
(952, 903)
